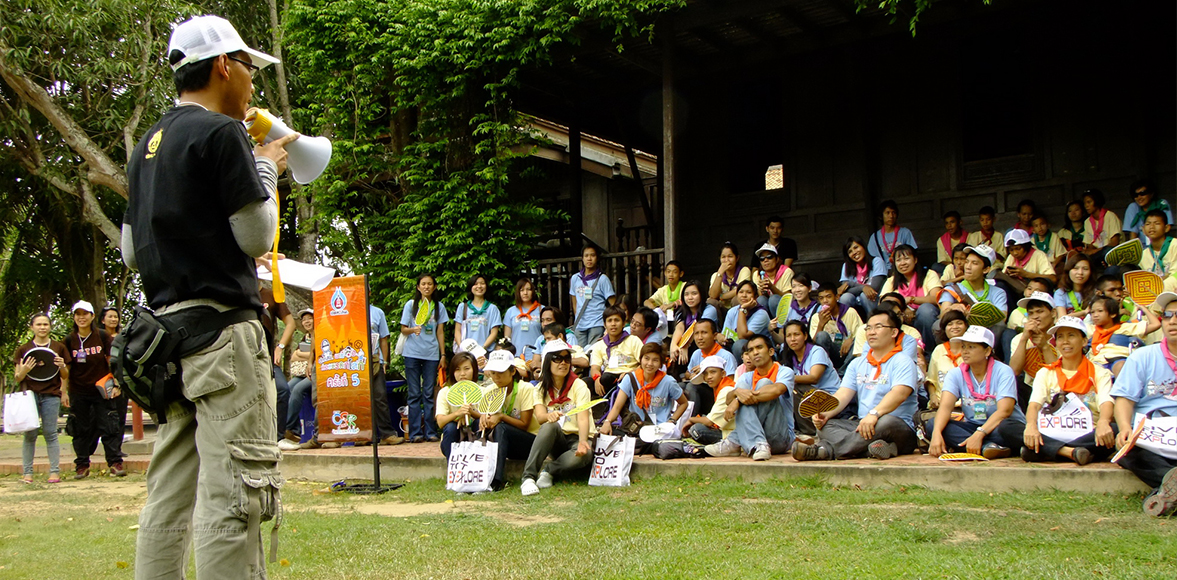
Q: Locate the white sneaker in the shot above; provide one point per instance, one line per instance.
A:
(544, 481)
(725, 448)
(528, 487)
(288, 445)
(762, 452)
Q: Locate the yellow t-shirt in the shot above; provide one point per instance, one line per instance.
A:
(784, 283)
(624, 358)
(1111, 228)
(1108, 351)
(850, 320)
(948, 273)
(662, 295)
(931, 287)
(743, 273)
(718, 409)
(1163, 262)
(945, 256)
(1046, 385)
(1054, 247)
(994, 241)
(525, 400)
(1038, 263)
(579, 395)
(939, 366)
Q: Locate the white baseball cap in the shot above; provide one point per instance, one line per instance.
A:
(555, 346)
(984, 252)
(767, 247)
(1017, 237)
(978, 334)
(204, 37)
(500, 361)
(82, 305)
(1072, 322)
(1038, 297)
(1163, 300)
(711, 362)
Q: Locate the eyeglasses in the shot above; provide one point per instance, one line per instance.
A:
(1168, 314)
(767, 257)
(253, 68)
(561, 358)
(877, 327)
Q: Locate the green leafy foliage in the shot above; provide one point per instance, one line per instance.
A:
(912, 9)
(417, 95)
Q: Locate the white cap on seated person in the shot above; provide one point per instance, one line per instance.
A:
(555, 346)
(766, 248)
(499, 361)
(984, 252)
(978, 335)
(1037, 296)
(1017, 237)
(1077, 323)
(1163, 300)
(711, 362)
(83, 306)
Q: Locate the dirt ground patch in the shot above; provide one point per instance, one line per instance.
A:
(392, 510)
(522, 520)
(961, 537)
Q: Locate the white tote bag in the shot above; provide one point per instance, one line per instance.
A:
(1159, 435)
(471, 466)
(1071, 421)
(20, 412)
(612, 460)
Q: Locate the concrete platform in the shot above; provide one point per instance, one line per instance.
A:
(415, 462)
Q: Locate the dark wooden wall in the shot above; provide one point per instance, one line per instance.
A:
(1071, 101)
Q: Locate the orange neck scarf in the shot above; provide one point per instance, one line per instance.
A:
(727, 381)
(1081, 383)
(713, 352)
(878, 364)
(1101, 336)
(527, 315)
(771, 376)
(642, 397)
(952, 356)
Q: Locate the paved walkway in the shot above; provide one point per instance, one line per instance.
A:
(417, 461)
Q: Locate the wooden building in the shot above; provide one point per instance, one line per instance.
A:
(986, 105)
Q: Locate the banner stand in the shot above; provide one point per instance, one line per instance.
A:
(333, 301)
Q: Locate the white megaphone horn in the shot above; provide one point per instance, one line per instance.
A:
(307, 157)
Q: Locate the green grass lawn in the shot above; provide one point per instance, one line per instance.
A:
(663, 528)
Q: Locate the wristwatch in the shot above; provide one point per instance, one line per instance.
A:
(874, 412)
(981, 430)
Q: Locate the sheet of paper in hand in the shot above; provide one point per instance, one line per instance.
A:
(1143, 286)
(1126, 253)
(1069, 422)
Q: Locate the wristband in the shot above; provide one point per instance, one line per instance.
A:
(596, 376)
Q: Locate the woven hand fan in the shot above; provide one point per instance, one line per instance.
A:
(1128, 252)
(817, 401)
(985, 314)
(464, 393)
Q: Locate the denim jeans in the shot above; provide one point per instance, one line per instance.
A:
(48, 407)
(283, 390)
(585, 338)
(300, 388)
(768, 422)
(421, 376)
(771, 302)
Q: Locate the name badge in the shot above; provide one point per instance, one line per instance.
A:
(980, 411)
(524, 325)
(474, 323)
(614, 361)
(586, 292)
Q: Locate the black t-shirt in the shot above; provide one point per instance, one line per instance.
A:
(190, 172)
(786, 249)
(83, 375)
(51, 386)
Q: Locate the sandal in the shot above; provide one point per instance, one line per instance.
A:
(54, 478)
(27, 478)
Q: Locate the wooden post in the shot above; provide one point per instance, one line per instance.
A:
(575, 186)
(669, 210)
(136, 422)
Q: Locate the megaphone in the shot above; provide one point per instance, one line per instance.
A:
(307, 157)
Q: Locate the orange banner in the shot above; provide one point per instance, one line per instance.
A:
(344, 406)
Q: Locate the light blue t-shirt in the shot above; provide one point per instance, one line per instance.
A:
(524, 330)
(995, 295)
(898, 370)
(590, 301)
(378, 325)
(423, 346)
(805, 314)
(878, 268)
(785, 377)
(829, 381)
(1061, 299)
(709, 312)
(729, 360)
(882, 245)
(477, 325)
(662, 397)
(1134, 209)
(1147, 379)
(757, 323)
(1002, 385)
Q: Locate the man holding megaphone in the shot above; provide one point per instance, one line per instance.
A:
(202, 207)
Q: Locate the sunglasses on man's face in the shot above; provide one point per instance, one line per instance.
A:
(561, 358)
(1168, 314)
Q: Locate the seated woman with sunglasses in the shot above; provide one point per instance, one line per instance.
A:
(566, 441)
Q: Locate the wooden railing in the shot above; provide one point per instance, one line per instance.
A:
(633, 274)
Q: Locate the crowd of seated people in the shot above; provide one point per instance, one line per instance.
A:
(964, 355)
